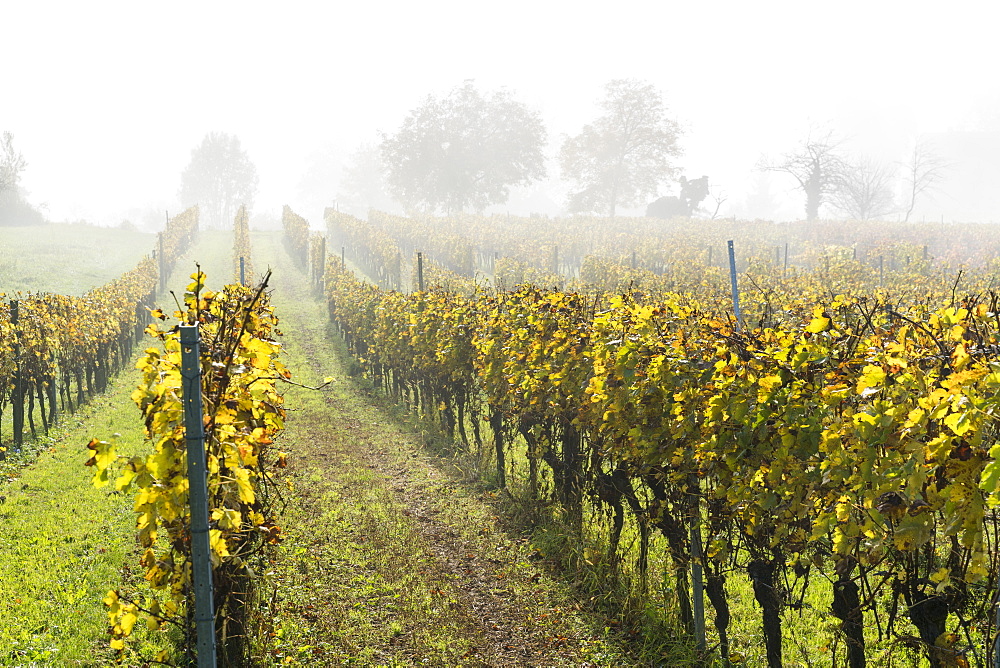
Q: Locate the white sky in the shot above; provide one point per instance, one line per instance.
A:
(107, 99)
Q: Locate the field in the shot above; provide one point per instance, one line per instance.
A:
(66, 259)
(488, 473)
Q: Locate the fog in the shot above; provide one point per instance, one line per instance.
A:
(107, 101)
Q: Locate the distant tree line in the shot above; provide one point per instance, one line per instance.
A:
(466, 150)
(856, 187)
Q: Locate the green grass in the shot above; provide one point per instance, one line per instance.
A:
(811, 636)
(67, 259)
(369, 573)
(65, 543)
(213, 252)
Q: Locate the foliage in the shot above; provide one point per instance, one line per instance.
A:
(179, 234)
(60, 339)
(369, 248)
(219, 178)
(317, 260)
(464, 151)
(363, 185)
(296, 234)
(841, 442)
(625, 155)
(243, 413)
(12, 163)
(14, 210)
(676, 255)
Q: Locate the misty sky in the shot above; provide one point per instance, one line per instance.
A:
(107, 99)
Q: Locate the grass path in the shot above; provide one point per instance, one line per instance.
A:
(63, 543)
(390, 559)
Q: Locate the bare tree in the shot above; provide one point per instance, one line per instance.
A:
(865, 189)
(923, 174)
(817, 167)
(12, 163)
(718, 197)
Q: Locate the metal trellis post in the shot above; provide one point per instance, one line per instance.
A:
(17, 391)
(194, 429)
(732, 280)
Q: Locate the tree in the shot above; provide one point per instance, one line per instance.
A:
(718, 197)
(625, 155)
(363, 183)
(464, 150)
(817, 167)
(219, 178)
(923, 174)
(14, 207)
(12, 163)
(865, 189)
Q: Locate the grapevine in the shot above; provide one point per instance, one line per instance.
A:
(66, 340)
(243, 414)
(847, 435)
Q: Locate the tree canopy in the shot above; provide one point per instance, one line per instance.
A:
(363, 185)
(464, 151)
(12, 163)
(14, 208)
(219, 178)
(625, 155)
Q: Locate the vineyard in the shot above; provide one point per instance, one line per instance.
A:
(783, 454)
(56, 350)
(839, 437)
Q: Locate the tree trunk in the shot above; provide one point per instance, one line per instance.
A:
(930, 615)
(761, 573)
(573, 478)
(496, 424)
(715, 588)
(846, 607)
